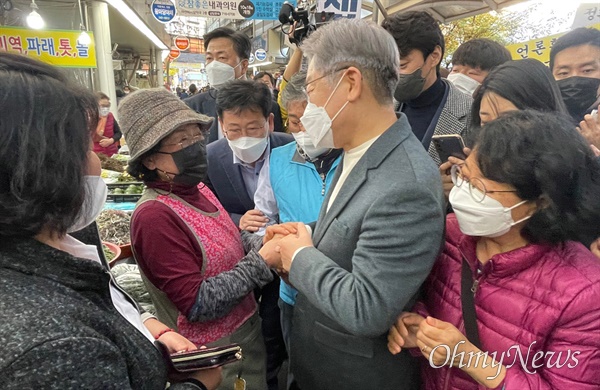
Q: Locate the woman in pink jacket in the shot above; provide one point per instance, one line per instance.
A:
(528, 316)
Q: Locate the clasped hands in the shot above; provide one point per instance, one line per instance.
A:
(281, 242)
(413, 331)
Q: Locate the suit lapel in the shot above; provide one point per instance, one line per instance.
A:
(234, 174)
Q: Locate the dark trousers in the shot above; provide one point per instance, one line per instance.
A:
(287, 313)
(271, 329)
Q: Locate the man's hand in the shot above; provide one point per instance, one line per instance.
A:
(292, 242)
(589, 127)
(403, 334)
(433, 332)
(105, 142)
(253, 220)
(282, 229)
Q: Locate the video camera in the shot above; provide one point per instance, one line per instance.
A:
(300, 21)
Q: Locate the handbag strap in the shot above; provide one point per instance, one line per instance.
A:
(467, 298)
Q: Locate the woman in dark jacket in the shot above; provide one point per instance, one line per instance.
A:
(64, 323)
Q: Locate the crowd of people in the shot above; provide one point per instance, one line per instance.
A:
(314, 221)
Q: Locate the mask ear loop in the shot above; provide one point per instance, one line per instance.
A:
(330, 96)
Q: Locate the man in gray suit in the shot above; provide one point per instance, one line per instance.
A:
(380, 227)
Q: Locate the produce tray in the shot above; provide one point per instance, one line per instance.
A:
(123, 197)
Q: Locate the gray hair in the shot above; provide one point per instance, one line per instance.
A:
(359, 43)
(294, 90)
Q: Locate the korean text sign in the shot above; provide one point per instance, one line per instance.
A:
(55, 47)
(233, 9)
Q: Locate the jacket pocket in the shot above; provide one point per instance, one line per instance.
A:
(338, 228)
(343, 342)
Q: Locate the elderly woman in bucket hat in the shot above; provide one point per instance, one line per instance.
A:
(198, 268)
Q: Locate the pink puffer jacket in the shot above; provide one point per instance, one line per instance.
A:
(539, 298)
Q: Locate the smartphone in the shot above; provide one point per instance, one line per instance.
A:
(449, 145)
(201, 359)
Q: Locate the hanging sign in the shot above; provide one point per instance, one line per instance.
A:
(233, 9)
(55, 47)
(349, 9)
(251, 59)
(182, 43)
(174, 53)
(163, 10)
(260, 55)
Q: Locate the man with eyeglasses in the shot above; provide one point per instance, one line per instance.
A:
(234, 165)
(379, 229)
(227, 53)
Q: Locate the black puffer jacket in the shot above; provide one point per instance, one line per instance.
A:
(60, 330)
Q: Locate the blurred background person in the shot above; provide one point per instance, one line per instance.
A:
(473, 61)
(108, 134)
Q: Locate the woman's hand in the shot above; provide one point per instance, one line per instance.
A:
(446, 337)
(403, 334)
(106, 142)
(282, 229)
(210, 378)
(176, 342)
(445, 171)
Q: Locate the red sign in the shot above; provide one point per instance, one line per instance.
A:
(182, 43)
(174, 53)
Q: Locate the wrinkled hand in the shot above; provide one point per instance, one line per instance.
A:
(176, 342)
(282, 229)
(105, 142)
(445, 171)
(589, 127)
(210, 378)
(403, 334)
(595, 248)
(292, 242)
(270, 253)
(253, 220)
(433, 332)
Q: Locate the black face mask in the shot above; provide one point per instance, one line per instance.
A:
(579, 94)
(191, 163)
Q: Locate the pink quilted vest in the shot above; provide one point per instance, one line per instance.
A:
(223, 249)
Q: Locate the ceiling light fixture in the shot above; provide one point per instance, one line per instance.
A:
(137, 22)
(34, 19)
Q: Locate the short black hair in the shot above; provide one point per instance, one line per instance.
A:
(241, 42)
(193, 88)
(528, 84)
(415, 30)
(260, 75)
(545, 158)
(579, 36)
(241, 95)
(45, 136)
(139, 171)
(481, 53)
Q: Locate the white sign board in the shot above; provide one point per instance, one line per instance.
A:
(587, 13)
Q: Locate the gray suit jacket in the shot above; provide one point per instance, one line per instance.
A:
(373, 250)
(454, 118)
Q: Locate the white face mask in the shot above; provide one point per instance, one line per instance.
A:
(488, 218)
(305, 143)
(464, 83)
(249, 149)
(317, 123)
(219, 73)
(95, 197)
(104, 111)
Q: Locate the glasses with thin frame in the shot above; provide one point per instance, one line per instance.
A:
(477, 189)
